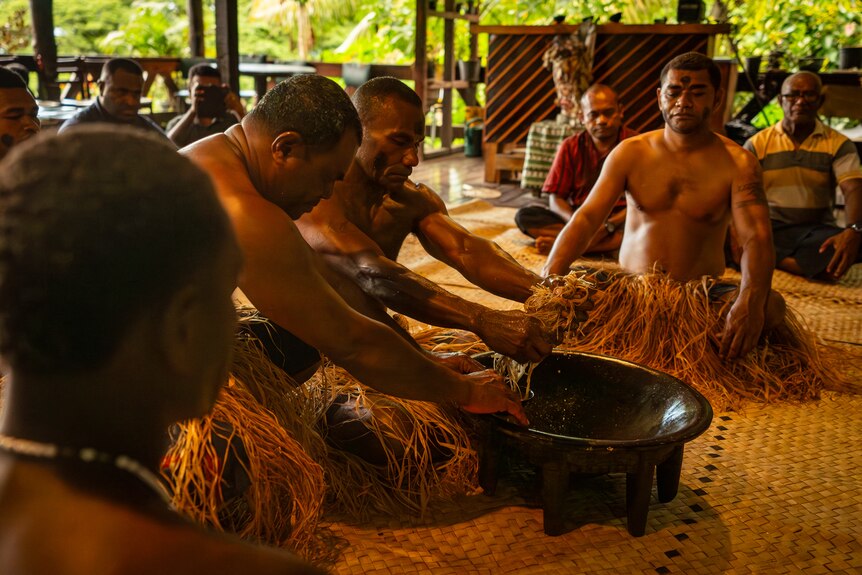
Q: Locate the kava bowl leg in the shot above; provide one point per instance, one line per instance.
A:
(638, 490)
(667, 475)
(555, 483)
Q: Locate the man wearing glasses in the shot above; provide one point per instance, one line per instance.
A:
(803, 160)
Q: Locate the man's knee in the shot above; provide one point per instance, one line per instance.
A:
(376, 433)
(776, 307)
(350, 427)
(536, 221)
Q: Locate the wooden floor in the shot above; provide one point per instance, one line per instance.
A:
(458, 179)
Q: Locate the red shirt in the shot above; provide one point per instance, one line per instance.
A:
(577, 166)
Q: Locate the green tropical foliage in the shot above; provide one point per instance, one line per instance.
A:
(153, 29)
(301, 18)
(799, 28)
(15, 32)
(382, 30)
(542, 12)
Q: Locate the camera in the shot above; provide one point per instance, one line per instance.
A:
(211, 104)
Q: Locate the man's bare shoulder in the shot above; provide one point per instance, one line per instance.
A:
(743, 159)
(639, 143)
(212, 151)
(422, 198)
(226, 554)
(181, 547)
(43, 523)
(222, 157)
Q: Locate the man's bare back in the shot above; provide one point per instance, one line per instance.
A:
(678, 214)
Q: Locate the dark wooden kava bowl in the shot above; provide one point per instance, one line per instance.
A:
(596, 414)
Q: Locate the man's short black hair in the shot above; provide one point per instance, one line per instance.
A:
(370, 95)
(204, 70)
(693, 61)
(98, 226)
(311, 105)
(110, 67)
(10, 79)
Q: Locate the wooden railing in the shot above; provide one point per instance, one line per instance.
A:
(77, 75)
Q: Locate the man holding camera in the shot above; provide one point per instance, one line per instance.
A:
(214, 108)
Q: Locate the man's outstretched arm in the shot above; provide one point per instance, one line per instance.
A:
(480, 260)
(750, 215)
(280, 279)
(347, 248)
(579, 231)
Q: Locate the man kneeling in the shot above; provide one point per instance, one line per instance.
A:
(683, 185)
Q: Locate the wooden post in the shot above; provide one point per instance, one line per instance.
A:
(227, 42)
(196, 28)
(448, 76)
(420, 62)
(45, 47)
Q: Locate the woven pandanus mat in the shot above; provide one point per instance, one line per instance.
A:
(483, 212)
(849, 288)
(831, 320)
(773, 489)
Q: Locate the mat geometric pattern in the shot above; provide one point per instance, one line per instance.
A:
(774, 489)
(770, 489)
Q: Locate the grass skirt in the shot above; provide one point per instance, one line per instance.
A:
(294, 472)
(673, 327)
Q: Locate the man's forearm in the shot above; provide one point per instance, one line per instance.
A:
(486, 265)
(411, 294)
(558, 205)
(569, 246)
(380, 359)
(756, 265)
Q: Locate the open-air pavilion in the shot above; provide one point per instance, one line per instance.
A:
(767, 488)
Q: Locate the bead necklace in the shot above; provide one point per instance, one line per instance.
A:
(87, 455)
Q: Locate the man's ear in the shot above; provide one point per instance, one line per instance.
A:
(719, 99)
(287, 145)
(101, 84)
(179, 329)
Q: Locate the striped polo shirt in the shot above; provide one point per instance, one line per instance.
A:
(800, 184)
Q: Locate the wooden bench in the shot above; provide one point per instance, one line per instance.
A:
(503, 158)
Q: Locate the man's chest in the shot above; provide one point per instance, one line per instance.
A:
(699, 190)
(390, 223)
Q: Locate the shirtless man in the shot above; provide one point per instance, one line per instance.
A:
(19, 113)
(108, 335)
(684, 184)
(361, 228)
(278, 163)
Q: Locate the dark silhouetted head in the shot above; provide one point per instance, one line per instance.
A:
(98, 227)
